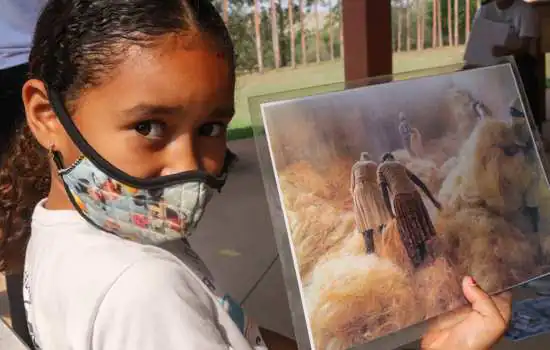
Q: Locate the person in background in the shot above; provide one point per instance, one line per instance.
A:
(17, 22)
(405, 204)
(369, 208)
(522, 44)
(405, 131)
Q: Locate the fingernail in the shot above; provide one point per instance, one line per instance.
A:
(471, 281)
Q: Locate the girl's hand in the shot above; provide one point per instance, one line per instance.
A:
(476, 327)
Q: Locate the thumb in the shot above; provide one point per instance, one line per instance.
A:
(481, 301)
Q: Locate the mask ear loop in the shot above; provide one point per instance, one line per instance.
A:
(56, 157)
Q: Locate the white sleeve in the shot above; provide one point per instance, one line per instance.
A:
(529, 23)
(155, 304)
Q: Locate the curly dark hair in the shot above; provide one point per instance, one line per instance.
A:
(24, 180)
(76, 45)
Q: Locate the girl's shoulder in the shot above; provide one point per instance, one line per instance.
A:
(158, 273)
(114, 292)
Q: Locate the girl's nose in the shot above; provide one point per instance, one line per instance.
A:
(180, 156)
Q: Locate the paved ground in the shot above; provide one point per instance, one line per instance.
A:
(235, 238)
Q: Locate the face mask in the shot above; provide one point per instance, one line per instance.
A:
(143, 210)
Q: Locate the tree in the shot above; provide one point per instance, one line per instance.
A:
(423, 24)
(439, 24)
(408, 25)
(257, 25)
(317, 32)
(303, 33)
(330, 30)
(434, 23)
(457, 21)
(292, 34)
(341, 31)
(226, 11)
(399, 28)
(275, 34)
(449, 23)
(468, 9)
(418, 25)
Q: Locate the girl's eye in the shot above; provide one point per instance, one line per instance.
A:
(212, 130)
(150, 129)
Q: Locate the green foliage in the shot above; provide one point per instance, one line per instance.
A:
(242, 29)
(428, 14)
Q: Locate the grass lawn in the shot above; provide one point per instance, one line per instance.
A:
(321, 74)
(325, 73)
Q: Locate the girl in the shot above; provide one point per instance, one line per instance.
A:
(137, 93)
(17, 20)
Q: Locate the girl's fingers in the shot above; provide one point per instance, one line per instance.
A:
(481, 301)
(503, 302)
(449, 320)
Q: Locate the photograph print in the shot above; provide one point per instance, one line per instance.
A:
(392, 193)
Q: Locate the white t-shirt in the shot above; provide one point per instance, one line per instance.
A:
(86, 289)
(522, 18)
(17, 22)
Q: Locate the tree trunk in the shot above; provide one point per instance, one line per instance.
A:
(418, 26)
(257, 24)
(399, 28)
(330, 30)
(468, 19)
(275, 34)
(434, 23)
(408, 24)
(423, 28)
(226, 11)
(283, 53)
(439, 24)
(303, 32)
(292, 34)
(317, 32)
(449, 22)
(457, 34)
(341, 32)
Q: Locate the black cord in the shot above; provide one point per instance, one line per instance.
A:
(259, 279)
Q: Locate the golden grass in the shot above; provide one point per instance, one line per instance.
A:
(486, 247)
(355, 299)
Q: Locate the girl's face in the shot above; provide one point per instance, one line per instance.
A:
(165, 110)
(162, 110)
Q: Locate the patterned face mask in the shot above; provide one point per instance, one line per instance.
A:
(147, 216)
(143, 210)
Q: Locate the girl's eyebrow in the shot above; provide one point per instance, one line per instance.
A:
(223, 113)
(149, 110)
